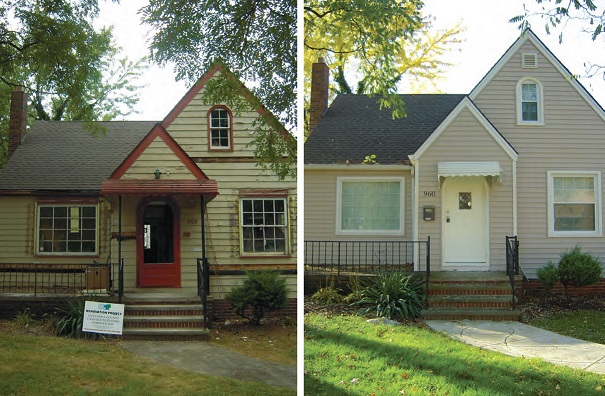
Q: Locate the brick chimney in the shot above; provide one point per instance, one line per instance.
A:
(18, 119)
(320, 81)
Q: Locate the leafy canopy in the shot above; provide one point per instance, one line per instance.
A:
(377, 43)
(256, 40)
(70, 70)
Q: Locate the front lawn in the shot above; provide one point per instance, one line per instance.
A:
(46, 365)
(344, 355)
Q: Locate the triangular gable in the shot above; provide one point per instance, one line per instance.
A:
(158, 131)
(466, 103)
(216, 67)
(529, 35)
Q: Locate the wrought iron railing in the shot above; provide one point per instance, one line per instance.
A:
(55, 279)
(362, 256)
(512, 262)
(203, 285)
(121, 281)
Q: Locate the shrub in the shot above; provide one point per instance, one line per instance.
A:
(548, 276)
(578, 268)
(71, 318)
(263, 290)
(392, 294)
(327, 295)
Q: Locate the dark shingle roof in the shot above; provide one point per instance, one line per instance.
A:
(354, 127)
(65, 156)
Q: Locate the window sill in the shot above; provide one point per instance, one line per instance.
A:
(65, 255)
(219, 149)
(572, 234)
(264, 255)
(531, 123)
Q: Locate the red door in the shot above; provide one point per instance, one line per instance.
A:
(158, 243)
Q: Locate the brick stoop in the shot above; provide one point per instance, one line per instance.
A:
(470, 295)
(164, 318)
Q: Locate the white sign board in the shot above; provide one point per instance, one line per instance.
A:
(103, 317)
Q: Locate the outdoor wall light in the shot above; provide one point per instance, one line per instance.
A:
(157, 174)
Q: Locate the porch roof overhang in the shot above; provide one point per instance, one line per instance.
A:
(205, 187)
(488, 169)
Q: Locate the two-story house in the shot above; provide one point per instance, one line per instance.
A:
(520, 156)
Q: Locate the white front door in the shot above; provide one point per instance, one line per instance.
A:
(465, 224)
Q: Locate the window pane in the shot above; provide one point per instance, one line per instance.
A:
(67, 229)
(370, 206)
(574, 217)
(263, 226)
(530, 92)
(530, 111)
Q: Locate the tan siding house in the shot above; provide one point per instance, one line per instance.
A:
(521, 155)
(160, 197)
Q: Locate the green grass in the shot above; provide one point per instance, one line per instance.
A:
(585, 325)
(344, 355)
(43, 365)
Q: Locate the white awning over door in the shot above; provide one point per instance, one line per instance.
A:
(489, 169)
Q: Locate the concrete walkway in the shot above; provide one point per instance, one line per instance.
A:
(518, 339)
(210, 359)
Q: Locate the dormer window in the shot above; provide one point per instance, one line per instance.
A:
(220, 132)
(530, 102)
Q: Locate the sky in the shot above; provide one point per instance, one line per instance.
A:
(487, 36)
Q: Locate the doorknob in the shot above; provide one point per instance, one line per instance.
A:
(447, 219)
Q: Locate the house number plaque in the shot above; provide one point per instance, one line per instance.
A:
(429, 193)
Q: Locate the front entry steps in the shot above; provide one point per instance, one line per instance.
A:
(163, 317)
(471, 295)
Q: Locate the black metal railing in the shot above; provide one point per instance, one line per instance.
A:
(428, 270)
(512, 262)
(203, 285)
(55, 279)
(121, 281)
(362, 256)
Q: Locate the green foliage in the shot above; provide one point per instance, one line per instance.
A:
(262, 290)
(71, 318)
(327, 295)
(380, 42)
(578, 268)
(548, 276)
(393, 294)
(24, 319)
(370, 159)
(70, 70)
(254, 40)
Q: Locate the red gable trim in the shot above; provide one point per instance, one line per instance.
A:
(246, 93)
(158, 131)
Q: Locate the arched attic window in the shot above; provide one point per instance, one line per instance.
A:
(220, 129)
(530, 102)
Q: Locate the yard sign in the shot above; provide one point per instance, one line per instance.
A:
(102, 317)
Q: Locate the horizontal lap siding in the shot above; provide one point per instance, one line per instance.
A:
(466, 140)
(320, 203)
(573, 138)
(158, 156)
(234, 171)
(18, 228)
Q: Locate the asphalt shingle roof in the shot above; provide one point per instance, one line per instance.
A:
(354, 127)
(65, 156)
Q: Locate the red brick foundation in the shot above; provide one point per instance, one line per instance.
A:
(222, 311)
(533, 288)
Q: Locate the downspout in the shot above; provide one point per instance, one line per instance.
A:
(205, 276)
(120, 266)
(515, 215)
(416, 174)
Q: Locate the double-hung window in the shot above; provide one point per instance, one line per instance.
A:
(220, 129)
(264, 225)
(370, 206)
(66, 229)
(574, 207)
(530, 103)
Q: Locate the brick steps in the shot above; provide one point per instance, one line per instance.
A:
(472, 296)
(170, 318)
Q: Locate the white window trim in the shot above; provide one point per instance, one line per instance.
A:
(340, 231)
(76, 254)
(287, 247)
(598, 232)
(519, 99)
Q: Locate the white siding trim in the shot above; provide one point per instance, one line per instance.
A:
(356, 167)
(415, 200)
(598, 232)
(515, 207)
(466, 103)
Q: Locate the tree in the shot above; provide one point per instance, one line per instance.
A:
(256, 40)
(69, 69)
(560, 15)
(378, 43)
